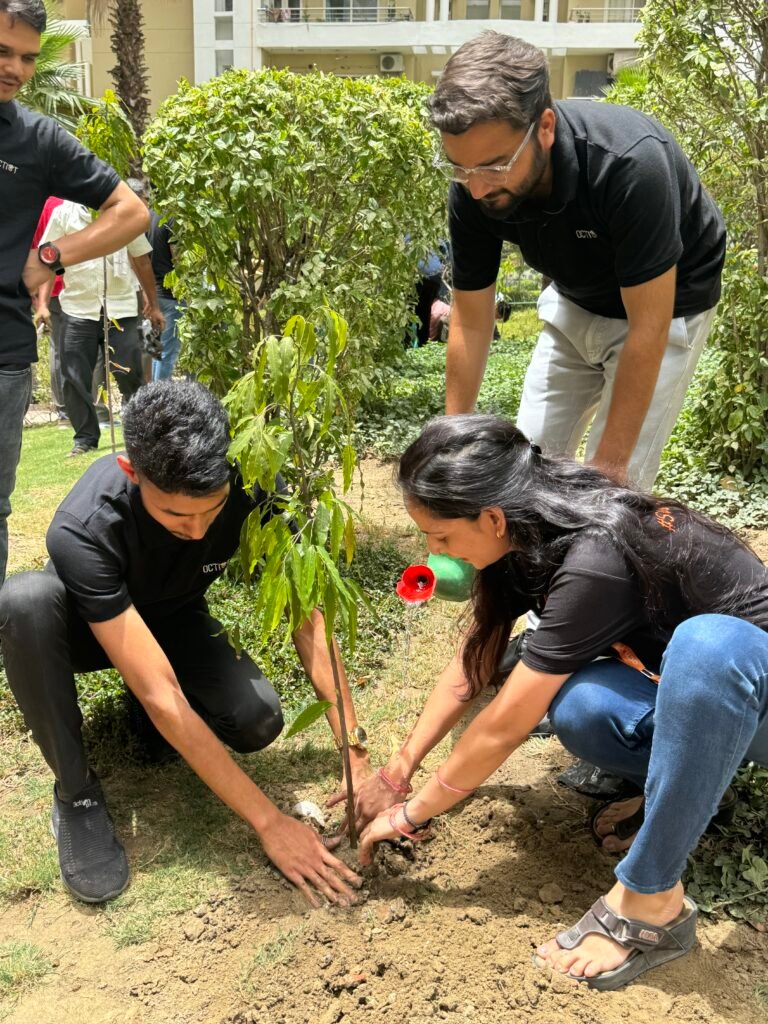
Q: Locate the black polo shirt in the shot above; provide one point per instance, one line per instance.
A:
(110, 553)
(38, 159)
(626, 206)
(594, 599)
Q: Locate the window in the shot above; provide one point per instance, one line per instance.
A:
(224, 30)
(223, 6)
(225, 59)
(510, 9)
(478, 9)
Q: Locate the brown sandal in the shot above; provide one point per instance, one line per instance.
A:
(631, 825)
(651, 945)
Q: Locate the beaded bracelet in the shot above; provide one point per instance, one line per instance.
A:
(397, 787)
(452, 789)
(415, 836)
(412, 824)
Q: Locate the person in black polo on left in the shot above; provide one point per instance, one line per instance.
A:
(134, 547)
(39, 159)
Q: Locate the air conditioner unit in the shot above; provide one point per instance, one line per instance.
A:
(391, 62)
(610, 65)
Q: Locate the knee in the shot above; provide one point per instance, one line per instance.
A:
(706, 647)
(25, 598)
(255, 724)
(579, 719)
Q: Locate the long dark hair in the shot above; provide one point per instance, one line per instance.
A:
(460, 465)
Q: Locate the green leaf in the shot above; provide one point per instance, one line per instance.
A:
(307, 717)
(348, 460)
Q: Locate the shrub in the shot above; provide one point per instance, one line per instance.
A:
(290, 191)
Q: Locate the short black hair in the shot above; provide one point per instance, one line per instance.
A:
(31, 12)
(176, 435)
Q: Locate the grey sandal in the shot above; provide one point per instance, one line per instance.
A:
(650, 944)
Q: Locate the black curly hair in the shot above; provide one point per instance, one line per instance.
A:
(176, 436)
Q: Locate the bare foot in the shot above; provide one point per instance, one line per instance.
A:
(596, 954)
(607, 819)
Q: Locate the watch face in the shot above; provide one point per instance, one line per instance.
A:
(49, 253)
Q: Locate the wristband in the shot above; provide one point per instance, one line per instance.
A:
(452, 789)
(403, 788)
(412, 824)
(415, 836)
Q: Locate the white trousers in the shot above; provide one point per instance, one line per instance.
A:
(570, 378)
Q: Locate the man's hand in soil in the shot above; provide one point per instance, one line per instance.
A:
(372, 796)
(375, 832)
(298, 851)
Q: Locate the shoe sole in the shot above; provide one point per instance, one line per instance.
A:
(81, 896)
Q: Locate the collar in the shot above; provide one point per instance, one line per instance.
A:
(565, 165)
(565, 175)
(9, 111)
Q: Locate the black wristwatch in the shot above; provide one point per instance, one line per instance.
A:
(50, 256)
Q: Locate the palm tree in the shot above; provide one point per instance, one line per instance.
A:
(127, 42)
(53, 89)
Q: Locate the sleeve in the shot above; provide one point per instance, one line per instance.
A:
(139, 247)
(75, 173)
(586, 610)
(475, 251)
(643, 199)
(54, 228)
(91, 573)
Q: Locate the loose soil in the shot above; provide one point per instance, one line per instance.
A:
(443, 931)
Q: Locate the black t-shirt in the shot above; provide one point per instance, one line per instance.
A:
(626, 206)
(38, 159)
(160, 235)
(111, 554)
(594, 599)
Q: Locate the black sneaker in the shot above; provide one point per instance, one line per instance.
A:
(92, 859)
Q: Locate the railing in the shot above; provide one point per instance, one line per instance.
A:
(337, 13)
(604, 14)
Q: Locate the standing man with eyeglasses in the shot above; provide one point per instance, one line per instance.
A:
(601, 200)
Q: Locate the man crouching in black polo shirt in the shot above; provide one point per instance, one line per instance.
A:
(134, 547)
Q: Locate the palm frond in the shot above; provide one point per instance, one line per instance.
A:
(53, 89)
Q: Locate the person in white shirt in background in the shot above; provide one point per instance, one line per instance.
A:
(82, 305)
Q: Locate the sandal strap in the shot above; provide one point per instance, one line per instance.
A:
(628, 932)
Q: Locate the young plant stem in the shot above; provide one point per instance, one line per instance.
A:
(352, 830)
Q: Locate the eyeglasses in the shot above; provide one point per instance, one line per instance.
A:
(488, 174)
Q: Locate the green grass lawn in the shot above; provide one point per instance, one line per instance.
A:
(45, 475)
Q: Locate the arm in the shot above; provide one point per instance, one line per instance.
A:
(42, 311)
(649, 309)
(123, 218)
(293, 847)
(444, 708)
(312, 649)
(494, 734)
(469, 339)
(142, 268)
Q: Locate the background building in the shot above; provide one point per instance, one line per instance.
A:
(197, 39)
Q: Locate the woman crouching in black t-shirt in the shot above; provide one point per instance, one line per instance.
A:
(675, 608)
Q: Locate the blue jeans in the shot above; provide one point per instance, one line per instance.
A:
(681, 740)
(162, 368)
(15, 395)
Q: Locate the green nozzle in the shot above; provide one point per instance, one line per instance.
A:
(453, 577)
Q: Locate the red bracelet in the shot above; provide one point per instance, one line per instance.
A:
(452, 789)
(415, 836)
(397, 787)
